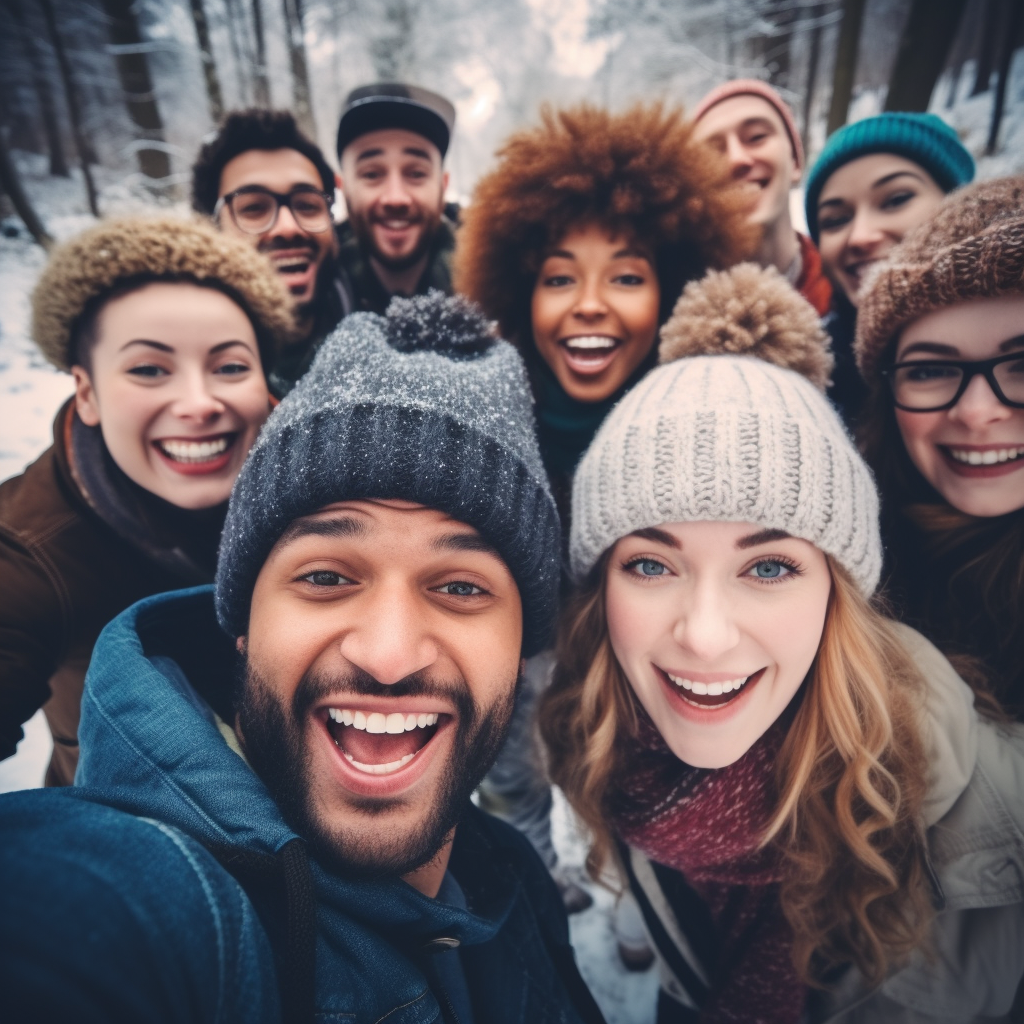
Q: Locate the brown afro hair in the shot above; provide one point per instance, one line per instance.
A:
(749, 310)
(637, 172)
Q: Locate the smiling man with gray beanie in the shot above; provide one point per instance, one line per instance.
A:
(390, 556)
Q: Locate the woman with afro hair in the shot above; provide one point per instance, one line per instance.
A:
(578, 244)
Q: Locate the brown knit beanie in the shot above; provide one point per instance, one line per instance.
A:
(972, 248)
(141, 250)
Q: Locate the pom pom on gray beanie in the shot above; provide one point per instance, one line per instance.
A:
(424, 404)
(731, 437)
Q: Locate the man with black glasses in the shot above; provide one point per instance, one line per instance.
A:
(262, 180)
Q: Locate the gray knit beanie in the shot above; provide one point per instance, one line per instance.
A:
(423, 404)
(732, 437)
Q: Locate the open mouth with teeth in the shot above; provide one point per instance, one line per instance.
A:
(710, 696)
(984, 457)
(197, 455)
(590, 354)
(379, 743)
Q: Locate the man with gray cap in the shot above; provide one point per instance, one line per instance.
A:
(390, 557)
(398, 239)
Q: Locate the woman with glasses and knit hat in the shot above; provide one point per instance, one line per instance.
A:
(940, 342)
(874, 181)
(169, 329)
(577, 244)
(816, 823)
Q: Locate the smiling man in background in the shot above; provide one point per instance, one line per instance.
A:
(265, 182)
(398, 240)
(751, 125)
(391, 556)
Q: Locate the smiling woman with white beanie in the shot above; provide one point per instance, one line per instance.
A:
(797, 789)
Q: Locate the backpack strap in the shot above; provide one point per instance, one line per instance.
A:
(280, 887)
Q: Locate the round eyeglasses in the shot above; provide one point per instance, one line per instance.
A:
(932, 385)
(254, 209)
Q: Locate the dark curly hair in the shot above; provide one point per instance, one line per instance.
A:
(241, 131)
(637, 172)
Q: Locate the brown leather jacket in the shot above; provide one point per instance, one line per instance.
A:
(79, 543)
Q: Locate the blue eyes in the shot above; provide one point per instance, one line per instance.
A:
(648, 567)
(768, 570)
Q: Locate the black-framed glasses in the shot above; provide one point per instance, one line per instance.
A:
(254, 209)
(932, 385)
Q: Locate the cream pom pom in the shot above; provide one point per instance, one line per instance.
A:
(749, 310)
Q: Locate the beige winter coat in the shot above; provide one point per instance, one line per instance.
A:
(975, 818)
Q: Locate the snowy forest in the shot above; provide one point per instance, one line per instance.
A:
(120, 93)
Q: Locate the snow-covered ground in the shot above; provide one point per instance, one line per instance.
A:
(31, 392)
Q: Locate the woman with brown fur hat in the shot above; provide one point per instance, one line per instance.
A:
(168, 327)
(578, 244)
(940, 342)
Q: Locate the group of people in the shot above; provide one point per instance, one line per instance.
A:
(355, 538)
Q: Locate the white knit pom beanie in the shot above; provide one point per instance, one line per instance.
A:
(743, 434)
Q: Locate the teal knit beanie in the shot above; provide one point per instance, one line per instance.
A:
(923, 138)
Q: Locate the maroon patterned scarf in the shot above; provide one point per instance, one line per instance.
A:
(706, 824)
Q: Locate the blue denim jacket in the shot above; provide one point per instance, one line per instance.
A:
(150, 746)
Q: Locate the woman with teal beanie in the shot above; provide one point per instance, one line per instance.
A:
(874, 181)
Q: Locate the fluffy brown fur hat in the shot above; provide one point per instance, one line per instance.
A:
(637, 171)
(972, 248)
(749, 310)
(139, 250)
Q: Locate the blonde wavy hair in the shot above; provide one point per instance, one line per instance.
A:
(851, 778)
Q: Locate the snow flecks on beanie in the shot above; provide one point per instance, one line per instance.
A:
(730, 436)
(424, 404)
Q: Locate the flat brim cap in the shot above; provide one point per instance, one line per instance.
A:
(971, 248)
(371, 108)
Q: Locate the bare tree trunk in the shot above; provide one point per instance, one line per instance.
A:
(846, 63)
(238, 30)
(137, 83)
(213, 92)
(1011, 40)
(71, 95)
(780, 42)
(51, 123)
(260, 82)
(988, 48)
(813, 59)
(300, 75)
(11, 184)
(924, 45)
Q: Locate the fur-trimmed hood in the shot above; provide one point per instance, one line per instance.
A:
(638, 171)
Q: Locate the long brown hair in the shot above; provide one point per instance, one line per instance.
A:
(851, 777)
(956, 577)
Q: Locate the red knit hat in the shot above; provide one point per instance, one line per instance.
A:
(753, 87)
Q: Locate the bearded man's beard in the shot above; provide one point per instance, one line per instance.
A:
(276, 744)
(363, 231)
